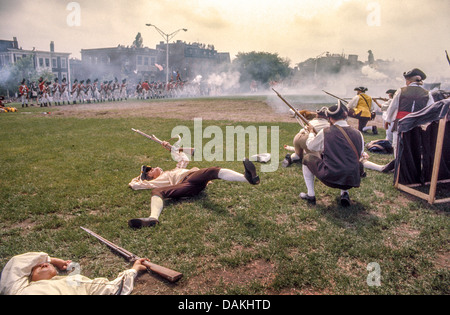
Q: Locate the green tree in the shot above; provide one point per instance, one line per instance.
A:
(261, 66)
(12, 75)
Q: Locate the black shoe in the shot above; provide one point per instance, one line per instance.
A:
(287, 161)
(375, 130)
(250, 172)
(143, 222)
(388, 167)
(311, 200)
(345, 200)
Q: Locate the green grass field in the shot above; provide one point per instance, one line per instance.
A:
(58, 173)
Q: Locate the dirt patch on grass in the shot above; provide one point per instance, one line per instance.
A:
(256, 109)
(257, 271)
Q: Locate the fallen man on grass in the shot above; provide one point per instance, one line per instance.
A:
(181, 182)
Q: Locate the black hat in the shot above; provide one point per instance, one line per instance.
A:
(76, 80)
(23, 81)
(415, 72)
(56, 79)
(64, 79)
(361, 89)
(322, 112)
(338, 111)
(392, 91)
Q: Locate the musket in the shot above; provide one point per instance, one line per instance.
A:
(166, 273)
(448, 58)
(346, 102)
(191, 151)
(303, 119)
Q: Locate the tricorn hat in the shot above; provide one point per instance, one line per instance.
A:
(338, 110)
(415, 72)
(361, 89)
(391, 91)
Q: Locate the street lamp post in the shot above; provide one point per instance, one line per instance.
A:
(167, 38)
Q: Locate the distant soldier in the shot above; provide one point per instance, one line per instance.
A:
(110, 90)
(95, 91)
(81, 92)
(23, 92)
(74, 91)
(145, 89)
(64, 91)
(104, 91)
(138, 91)
(123, 90)
(34, 92)
(56, 92)
(41, 85)
(116, 90)
(88, 91)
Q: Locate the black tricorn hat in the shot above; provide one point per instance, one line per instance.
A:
(361, 88)
(391, 91)
(339, 110)
(415, 72)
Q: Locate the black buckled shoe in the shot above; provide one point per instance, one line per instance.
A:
(345, 200)
(250, 172)
(143, 222)
(287, 161)
(311, 200)
(388, 167)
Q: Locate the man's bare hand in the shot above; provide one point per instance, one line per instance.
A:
(138, 264)
(60, 264)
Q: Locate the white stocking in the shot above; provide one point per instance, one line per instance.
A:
(157, 205)
(231, 176)
(309, 180)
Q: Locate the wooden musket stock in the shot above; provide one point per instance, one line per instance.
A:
(166, 273)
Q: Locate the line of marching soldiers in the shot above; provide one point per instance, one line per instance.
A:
(46, 92)
(151, 90)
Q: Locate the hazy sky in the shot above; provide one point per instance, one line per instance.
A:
(414, 31)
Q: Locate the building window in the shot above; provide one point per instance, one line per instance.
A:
(139, 60)
(145, 61)
(41, 62)
(54, 63)
(64, 63)
(47, 62)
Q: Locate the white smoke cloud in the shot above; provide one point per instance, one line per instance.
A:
(373, 74)
(224, 80)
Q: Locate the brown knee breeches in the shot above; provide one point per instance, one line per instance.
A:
(191, 186)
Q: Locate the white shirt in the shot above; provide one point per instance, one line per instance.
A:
(316, 142)
(15, 280)
(391, 114)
